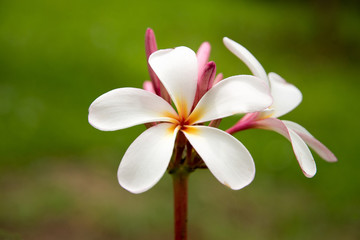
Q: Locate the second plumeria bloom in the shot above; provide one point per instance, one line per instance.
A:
(148, 157)
(286, 97)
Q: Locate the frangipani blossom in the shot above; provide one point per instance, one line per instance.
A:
(206, 70)
(286, 97)
(148, 157)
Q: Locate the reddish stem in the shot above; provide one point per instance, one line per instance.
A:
(180, 183)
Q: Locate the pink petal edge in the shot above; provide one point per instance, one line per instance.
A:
(315, 144)
(299, 147)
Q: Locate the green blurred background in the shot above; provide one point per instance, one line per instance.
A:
(58, 174)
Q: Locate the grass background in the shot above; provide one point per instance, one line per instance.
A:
(58, 174)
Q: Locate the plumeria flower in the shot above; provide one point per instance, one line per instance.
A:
(286, 97)
(206, 70)
(206, 73)
(148, 157)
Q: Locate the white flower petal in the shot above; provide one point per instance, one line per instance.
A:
(302, 152)
(147, 158)
(177, 69)
(317, 146)
(245, 56)
(237, 94)
(228, 160)
(126, 107)
(286, 96)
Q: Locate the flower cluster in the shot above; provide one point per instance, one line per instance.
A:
(286, 97)
(181, 107)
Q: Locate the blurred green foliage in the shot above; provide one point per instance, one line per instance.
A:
(58, 174)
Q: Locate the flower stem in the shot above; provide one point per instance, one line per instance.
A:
(180, 183)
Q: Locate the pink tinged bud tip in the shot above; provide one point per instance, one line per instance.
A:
(148, 86)
(205, 82)
(203, 55)
(218, 78)
(150, 47)
(150, 42)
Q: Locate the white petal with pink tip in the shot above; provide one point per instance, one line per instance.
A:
(147, 158)
(227, 159)
(315, 144)
(302, 152)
